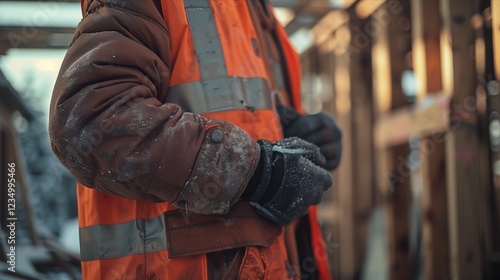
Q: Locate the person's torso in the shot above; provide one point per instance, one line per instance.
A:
(226, 63)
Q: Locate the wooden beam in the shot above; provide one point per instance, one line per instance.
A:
(466, 260)
(328, 210)
(398, 206)
(421, 120)
(495, 109)
(392, 42)
(397, 213)
(492, 35)
(427, 67)
(392, 129)
(365, 8)
(434, 203)
(324, 28)
(426, 28)
(495, 13)
(353, 107)
(381, 106)
(44, 37)
(361, 98)
(381, 71)
(346, 196)
(488, 104)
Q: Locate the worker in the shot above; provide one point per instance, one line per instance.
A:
(172, 115)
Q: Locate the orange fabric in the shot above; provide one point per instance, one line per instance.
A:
(260, 124)
(236, 30)
(118, 209)
(264, 262)
(184, 64)
(318, 246)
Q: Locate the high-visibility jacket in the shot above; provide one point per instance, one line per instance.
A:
(219, 62)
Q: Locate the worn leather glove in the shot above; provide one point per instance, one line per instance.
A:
(319, 129)
(287, 180)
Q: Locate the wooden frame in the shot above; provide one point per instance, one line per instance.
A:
(392, 43)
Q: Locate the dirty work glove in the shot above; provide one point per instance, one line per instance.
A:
(287, 180)
(319, 129)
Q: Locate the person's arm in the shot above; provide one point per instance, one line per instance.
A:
(109, 125)
(111, 129)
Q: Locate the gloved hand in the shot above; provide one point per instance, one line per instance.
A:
(287, 180)
(319, 129)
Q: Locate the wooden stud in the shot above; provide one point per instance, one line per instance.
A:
(328, 210)
(494, 109)
(495, 13)
(426, 62)
(346, 196)
(398, 206)
(353, 107)
(481, 22)
(362, 130)
(461, 141)
(389, 54)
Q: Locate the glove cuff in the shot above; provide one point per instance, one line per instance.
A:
(259, 183)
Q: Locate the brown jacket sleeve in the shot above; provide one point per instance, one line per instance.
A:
(111, 129)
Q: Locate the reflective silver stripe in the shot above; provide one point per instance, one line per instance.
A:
(206, 39)
(125, 239)
(225, 94)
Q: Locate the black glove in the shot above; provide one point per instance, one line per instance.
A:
(287, 180)
(319, 129)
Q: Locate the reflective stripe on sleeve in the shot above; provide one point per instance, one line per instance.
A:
(120, 240)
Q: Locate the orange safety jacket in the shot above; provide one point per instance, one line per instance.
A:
(220, 56)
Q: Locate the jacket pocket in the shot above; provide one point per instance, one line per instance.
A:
(192, 234)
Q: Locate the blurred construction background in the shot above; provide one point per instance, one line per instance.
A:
(414, 84)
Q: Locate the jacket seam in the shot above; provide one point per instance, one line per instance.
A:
(160, 159)
(98, 174)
